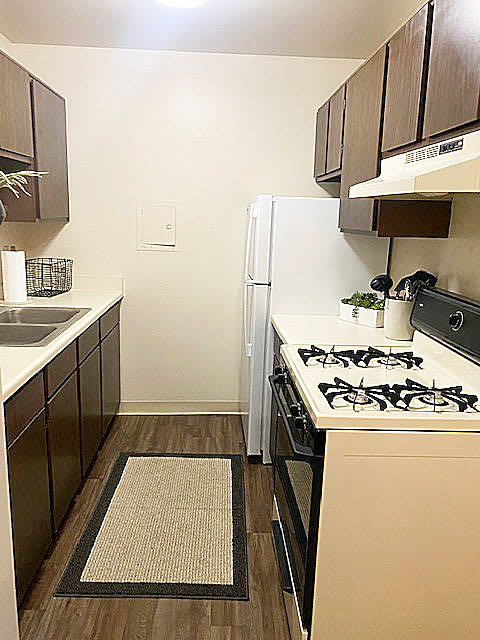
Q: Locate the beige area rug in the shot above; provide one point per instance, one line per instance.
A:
(165, 526)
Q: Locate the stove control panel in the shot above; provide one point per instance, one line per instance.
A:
(450, 319)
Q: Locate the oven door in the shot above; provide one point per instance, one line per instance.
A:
(296, 472)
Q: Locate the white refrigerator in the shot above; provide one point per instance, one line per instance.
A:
(296, 262)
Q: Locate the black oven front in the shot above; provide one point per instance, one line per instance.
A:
(298, 451)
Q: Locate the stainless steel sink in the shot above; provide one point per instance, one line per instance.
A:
(35, 326)
(37, 315)
(21, 335)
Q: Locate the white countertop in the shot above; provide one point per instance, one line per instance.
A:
(19, 364)
(312, 329)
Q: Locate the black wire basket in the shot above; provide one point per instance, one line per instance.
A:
(47, 277)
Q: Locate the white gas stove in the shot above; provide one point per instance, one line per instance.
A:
(426, 386)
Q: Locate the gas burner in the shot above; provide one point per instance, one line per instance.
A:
(373, 357)
(418, 396)
(341, 392)
(359, 396)
(315, 357)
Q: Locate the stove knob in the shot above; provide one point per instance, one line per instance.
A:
(296, 409)
(301, 422)
(456, 320)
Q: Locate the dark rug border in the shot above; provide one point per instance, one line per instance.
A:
(70, 585)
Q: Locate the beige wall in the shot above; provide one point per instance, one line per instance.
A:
(456, 260)
(208, 130)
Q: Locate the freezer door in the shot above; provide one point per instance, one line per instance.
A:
(257, 253)
(252, 364)
(250, 252)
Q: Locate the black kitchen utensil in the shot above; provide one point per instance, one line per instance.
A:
(382, 283)
(417, 279)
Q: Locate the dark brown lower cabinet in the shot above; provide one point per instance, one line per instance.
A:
(64, 445)
(110, 348)
(90, 407)
(30, 501)
(63, 429)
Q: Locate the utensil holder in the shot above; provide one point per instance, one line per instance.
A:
(397, 319)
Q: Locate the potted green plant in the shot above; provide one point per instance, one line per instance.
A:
(364, 308)
(16, 182)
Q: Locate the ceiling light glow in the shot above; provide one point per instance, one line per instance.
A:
(183, 4)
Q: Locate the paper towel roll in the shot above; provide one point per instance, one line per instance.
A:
(14, 276)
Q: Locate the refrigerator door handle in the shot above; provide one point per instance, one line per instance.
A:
(253, 214)
(246, 321)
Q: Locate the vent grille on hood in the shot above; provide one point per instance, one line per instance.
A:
(422, 154)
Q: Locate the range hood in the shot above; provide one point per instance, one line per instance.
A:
(434, 171)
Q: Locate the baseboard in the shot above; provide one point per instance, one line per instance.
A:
(128, 408)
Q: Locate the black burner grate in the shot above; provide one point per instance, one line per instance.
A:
(360, 396)
(364, 358)
(409, 396)
(417, 395)
(326, 358)
(373, 357)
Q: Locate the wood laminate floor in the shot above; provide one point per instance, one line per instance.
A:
(261, 618)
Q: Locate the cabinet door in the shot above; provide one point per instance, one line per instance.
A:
(16, 111)
(361, 157)
(64, 444)
(23, 209)
(453, 87)
(110, 349)
(321, 141)
(30, 501)
(50, 131)
(404, 89)
(90, 407)
(335, 130)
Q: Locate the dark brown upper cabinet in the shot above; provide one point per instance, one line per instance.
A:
(361, 162)
(50, 135)
(453, 87)
(33, 136)
(408, 50)
(16, 136)
(329, 138)
(361, 158)
(335, 130)
(321, 137)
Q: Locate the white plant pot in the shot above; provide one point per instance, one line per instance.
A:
(360, 315)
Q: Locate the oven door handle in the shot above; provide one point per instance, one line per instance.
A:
(299, 449)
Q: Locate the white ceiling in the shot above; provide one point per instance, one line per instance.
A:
(320, 28)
